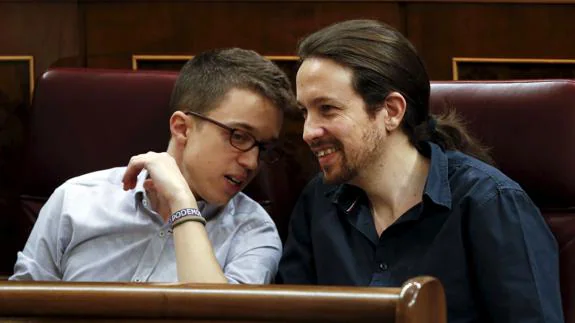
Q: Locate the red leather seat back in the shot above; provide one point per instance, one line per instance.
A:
(85, 120)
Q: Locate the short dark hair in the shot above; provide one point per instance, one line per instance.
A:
(383, 61)
(205, 79)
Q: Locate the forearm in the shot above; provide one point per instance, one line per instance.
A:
(172, 197)
(195, 257)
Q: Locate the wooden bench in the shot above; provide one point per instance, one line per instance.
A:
(420, 299)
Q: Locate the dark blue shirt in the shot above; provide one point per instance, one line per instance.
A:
(475, 229)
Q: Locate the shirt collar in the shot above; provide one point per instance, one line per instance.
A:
(437, 188)
(139, 191)
(208, 210)
(345, 196)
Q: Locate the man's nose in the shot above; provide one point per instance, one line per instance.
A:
(250, 159)
(312, 130)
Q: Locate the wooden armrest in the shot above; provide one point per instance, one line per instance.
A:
(419, 300)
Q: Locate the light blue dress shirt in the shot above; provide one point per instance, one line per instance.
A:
(92, 230)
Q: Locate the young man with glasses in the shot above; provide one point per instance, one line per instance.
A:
(177, 215)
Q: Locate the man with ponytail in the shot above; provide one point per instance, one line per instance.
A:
(404, 193)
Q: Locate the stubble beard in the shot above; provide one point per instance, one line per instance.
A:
(349, 169)
(343, 175)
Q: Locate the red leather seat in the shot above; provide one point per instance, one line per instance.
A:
(530, 126)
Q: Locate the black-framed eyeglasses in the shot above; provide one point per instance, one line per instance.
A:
(244, 141)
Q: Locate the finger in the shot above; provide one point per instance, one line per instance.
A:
(135, 166)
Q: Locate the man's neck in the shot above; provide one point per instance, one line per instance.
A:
(395, 183)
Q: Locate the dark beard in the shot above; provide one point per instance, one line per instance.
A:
(345, 175)
(348, 171)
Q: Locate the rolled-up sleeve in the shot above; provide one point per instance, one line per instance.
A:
(515, 260)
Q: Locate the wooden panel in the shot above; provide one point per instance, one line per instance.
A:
(470, 68)
(46, 30)
(443, 31)
(178, 27)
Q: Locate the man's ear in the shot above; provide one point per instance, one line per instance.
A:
(180, 127)
(395, 106)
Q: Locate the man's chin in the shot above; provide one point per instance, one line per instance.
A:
(331, 178)
(335, 177)
(218, 200)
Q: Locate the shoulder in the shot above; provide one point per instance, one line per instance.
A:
(478, 180)
(80, 198)
(467, 169)
(88, 187)
(243, 204)
(245, 214)
(112, 176)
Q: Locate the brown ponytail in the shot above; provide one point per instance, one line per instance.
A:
(449, 131)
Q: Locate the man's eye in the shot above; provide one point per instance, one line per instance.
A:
(240, 137)
(324, 108)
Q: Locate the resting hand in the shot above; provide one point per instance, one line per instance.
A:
(165, 180)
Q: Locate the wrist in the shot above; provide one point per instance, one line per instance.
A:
(186, 215)
(182, 201)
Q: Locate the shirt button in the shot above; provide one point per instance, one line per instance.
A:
(137, 280)
(162, 234)
(383, 266)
